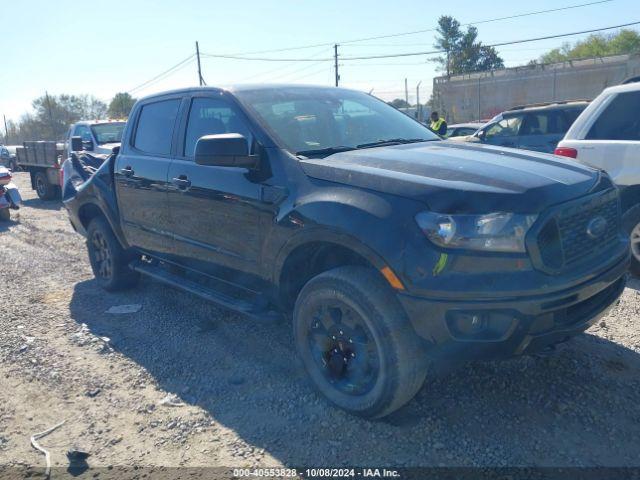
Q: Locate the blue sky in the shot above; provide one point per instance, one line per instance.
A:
(103, 47)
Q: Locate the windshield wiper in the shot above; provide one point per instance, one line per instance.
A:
(325, 151)
(392, 141)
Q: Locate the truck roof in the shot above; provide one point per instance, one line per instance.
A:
(549, 105)
(244, 86)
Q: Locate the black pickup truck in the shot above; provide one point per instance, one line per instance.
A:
(392, 251)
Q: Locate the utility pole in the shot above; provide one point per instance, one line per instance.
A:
(335, 63)
(200, 79)
(6, 130)
(406, 92)
(418, 106)
(50, 114)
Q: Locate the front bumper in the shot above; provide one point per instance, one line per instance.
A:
(521, 325)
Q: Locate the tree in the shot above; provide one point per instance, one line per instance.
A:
(597, 45)
(52, 115)
(121, 105)
(463, 52)
(450, 37)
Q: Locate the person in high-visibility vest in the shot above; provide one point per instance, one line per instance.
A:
(438, 125)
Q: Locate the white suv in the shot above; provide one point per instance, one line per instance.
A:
(607, 136)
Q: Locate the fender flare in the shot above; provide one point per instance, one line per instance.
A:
(316, 235)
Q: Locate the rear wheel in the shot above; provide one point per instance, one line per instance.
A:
(356, 342)
(5, 215)
(44, 189)
(631, 223)
(109, 261)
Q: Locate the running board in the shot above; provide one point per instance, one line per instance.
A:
(242, 305)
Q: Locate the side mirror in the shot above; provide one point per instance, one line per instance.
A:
(76, 144)
(87, 145)
(224, 150)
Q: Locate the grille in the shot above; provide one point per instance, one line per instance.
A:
(564, 242)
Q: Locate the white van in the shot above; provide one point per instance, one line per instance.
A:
(607, 136)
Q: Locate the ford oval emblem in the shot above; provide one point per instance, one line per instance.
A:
(596, 227)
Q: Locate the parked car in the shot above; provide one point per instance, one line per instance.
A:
(13, 160)
(6, 159)
(98, 136)
(607, 136)
(531, 127)
(462, 129)
(392, 251)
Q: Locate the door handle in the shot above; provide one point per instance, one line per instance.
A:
(182, 182)
(127, 171)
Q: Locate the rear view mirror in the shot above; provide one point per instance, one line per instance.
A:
(224, 150)
(76, 144)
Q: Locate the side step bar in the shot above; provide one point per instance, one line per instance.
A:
(241, 305)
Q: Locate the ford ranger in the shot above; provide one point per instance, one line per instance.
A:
(393, 252)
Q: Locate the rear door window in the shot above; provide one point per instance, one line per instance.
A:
(620, 120)
(155, 127)
(541, 123)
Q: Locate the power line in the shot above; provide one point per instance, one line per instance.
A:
(295, 72)
(315, 72)
(410, 54)
(262, 59)
(281, 68)
(478, 22)
(185, 62)
(163, 74)
(512, 42)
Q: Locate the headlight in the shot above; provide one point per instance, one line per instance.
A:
(494, 232)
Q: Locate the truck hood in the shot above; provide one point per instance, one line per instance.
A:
(453, 177)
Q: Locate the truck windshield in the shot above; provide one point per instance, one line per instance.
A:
(317, 122)
(108, 132)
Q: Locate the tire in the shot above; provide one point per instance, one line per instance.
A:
(631, 225)
(5, 214)
(13, 166)
(44, 189)
(356, 342)
(109, 261)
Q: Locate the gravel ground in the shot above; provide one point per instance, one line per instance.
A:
(243, 398)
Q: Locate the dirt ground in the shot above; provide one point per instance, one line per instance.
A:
(182, 382)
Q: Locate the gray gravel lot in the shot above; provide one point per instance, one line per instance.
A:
(244, 399)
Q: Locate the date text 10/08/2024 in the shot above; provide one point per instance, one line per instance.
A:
(317, 473)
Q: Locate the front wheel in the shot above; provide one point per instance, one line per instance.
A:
(631, 223)
(109, 261)
(356, 343)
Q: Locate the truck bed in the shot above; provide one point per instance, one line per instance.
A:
(39, 154)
